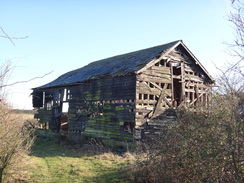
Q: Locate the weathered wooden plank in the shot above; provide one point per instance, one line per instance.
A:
(189, 69)
(145, 101)
(164, 70)
(198, 96)
(193, 78)
(152, 91)
(142, 85)
(168, 102)
(158, 105)
(143, 77)
(190, 90)
(144, 108)
(157, 73)
(188, 84)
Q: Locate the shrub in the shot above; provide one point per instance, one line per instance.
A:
(205, 146)
(15, 141)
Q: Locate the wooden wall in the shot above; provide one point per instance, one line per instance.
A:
(103, 108)
(153, 95)
(173, 81)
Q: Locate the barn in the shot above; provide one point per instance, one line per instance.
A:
(125, 97)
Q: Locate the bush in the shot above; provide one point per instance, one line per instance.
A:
(205, 146)
(15, 141)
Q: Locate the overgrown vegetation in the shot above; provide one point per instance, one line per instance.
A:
(205, 146)
(15, 141)
(15, 137)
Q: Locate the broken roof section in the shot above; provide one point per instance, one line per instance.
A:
(114, 66)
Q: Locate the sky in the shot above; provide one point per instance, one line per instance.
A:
(66, 35)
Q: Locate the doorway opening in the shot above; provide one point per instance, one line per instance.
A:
(177, 92)
(177, 84)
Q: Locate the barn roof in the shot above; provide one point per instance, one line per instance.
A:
(114, 66)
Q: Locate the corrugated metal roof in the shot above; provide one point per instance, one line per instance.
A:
(110, 67)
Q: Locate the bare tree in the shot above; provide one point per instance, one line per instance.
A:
(236, 18)
(15, 137)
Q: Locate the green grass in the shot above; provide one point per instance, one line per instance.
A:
(53, 162)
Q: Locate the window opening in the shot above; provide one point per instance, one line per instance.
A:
(177, 71)
(65, 107)
(162, 63)
(65, 95)
(49, 105)
(151, 97)
(69, 96)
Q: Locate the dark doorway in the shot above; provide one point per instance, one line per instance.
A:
(177, 91)
(177, 70)
(177, 85)
(56, 121)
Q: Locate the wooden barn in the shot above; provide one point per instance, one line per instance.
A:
(125, 97)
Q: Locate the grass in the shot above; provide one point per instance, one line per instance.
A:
(52, 161)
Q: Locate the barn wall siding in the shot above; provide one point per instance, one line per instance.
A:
(172, 82)
(153, 97)
(103, 108)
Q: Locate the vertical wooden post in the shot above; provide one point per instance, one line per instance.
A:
(182, 82)
(197, 93)
(172, 84)
(159, 102)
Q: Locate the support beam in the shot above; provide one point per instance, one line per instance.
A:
(198, 96)
(159, 102)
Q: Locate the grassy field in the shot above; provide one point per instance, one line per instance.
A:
(52, 161)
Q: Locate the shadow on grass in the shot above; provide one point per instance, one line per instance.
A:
(48, 144)
(113, 177)
(59, 160)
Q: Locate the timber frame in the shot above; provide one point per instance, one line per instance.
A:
(126, 97)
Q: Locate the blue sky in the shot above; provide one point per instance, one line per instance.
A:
(66, 35)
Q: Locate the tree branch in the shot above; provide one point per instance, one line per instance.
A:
(10, 38)
(18, 82)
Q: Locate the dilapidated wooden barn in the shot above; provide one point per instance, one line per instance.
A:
(126, 97)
